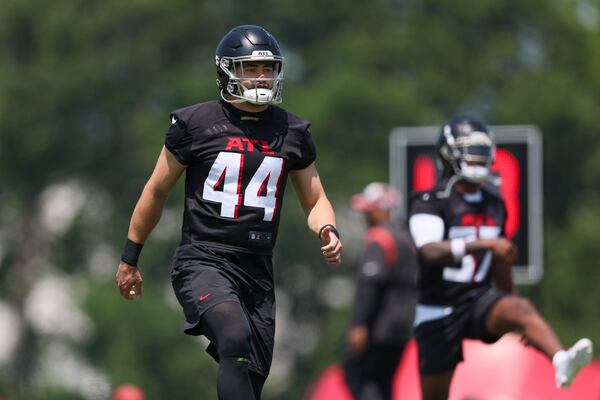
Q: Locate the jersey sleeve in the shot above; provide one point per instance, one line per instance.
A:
(372, 276)
(425, 203)
(179, 141)
(308, 151)
(426, 220)
(373, 267)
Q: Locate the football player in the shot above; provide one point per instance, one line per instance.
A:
(385, 297)
(458, 229)
(237, 154)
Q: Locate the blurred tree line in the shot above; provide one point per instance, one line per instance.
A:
(86, 88)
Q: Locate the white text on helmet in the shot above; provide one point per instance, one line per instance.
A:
(261, 53)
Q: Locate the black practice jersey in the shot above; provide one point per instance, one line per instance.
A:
(476, 218)
(237, 167)
(386, 285)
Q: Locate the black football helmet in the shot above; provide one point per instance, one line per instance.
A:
(240, 46)
(465, 149)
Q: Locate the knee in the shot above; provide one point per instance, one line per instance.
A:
(524, 306)
(234, 343)
(523, 310)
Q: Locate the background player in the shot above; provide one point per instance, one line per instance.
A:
(459, 231)
(385, 297)
(237, 154)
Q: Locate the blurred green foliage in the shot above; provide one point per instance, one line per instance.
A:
(86, 88)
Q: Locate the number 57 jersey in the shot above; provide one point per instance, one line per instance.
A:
(237, 167)
(479, 215)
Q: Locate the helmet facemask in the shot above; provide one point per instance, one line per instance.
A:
(235, 88)
(473, 156)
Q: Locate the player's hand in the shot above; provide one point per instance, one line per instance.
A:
(504, 251)
(332, 247)
(129, 281)
(357, 338)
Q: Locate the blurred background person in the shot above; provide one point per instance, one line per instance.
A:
(385, 297)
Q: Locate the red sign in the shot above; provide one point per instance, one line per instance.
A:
(504, 370)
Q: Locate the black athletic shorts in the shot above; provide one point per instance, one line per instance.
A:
(203, 276)
(440, 340)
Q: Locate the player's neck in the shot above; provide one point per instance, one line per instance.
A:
(376, 218)
(466, 187)
(249, 107)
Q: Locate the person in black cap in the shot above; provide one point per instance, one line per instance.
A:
(385, 297)
(237, 154)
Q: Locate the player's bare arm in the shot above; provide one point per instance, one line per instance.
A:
(502, 276)
(145, 216)
(505, 255)
(448, 251)
(319, 212)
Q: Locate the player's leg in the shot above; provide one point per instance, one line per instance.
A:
(258, 381)
(439, 341)
(259, 307)
(387, 358)
(369, 374)
(226, 326)
(436, 386)
(354, 373)
(514, 313)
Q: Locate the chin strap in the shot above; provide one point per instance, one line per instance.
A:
(444, 194)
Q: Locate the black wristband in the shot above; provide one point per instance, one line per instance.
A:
(331, 227)
(131, 252)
